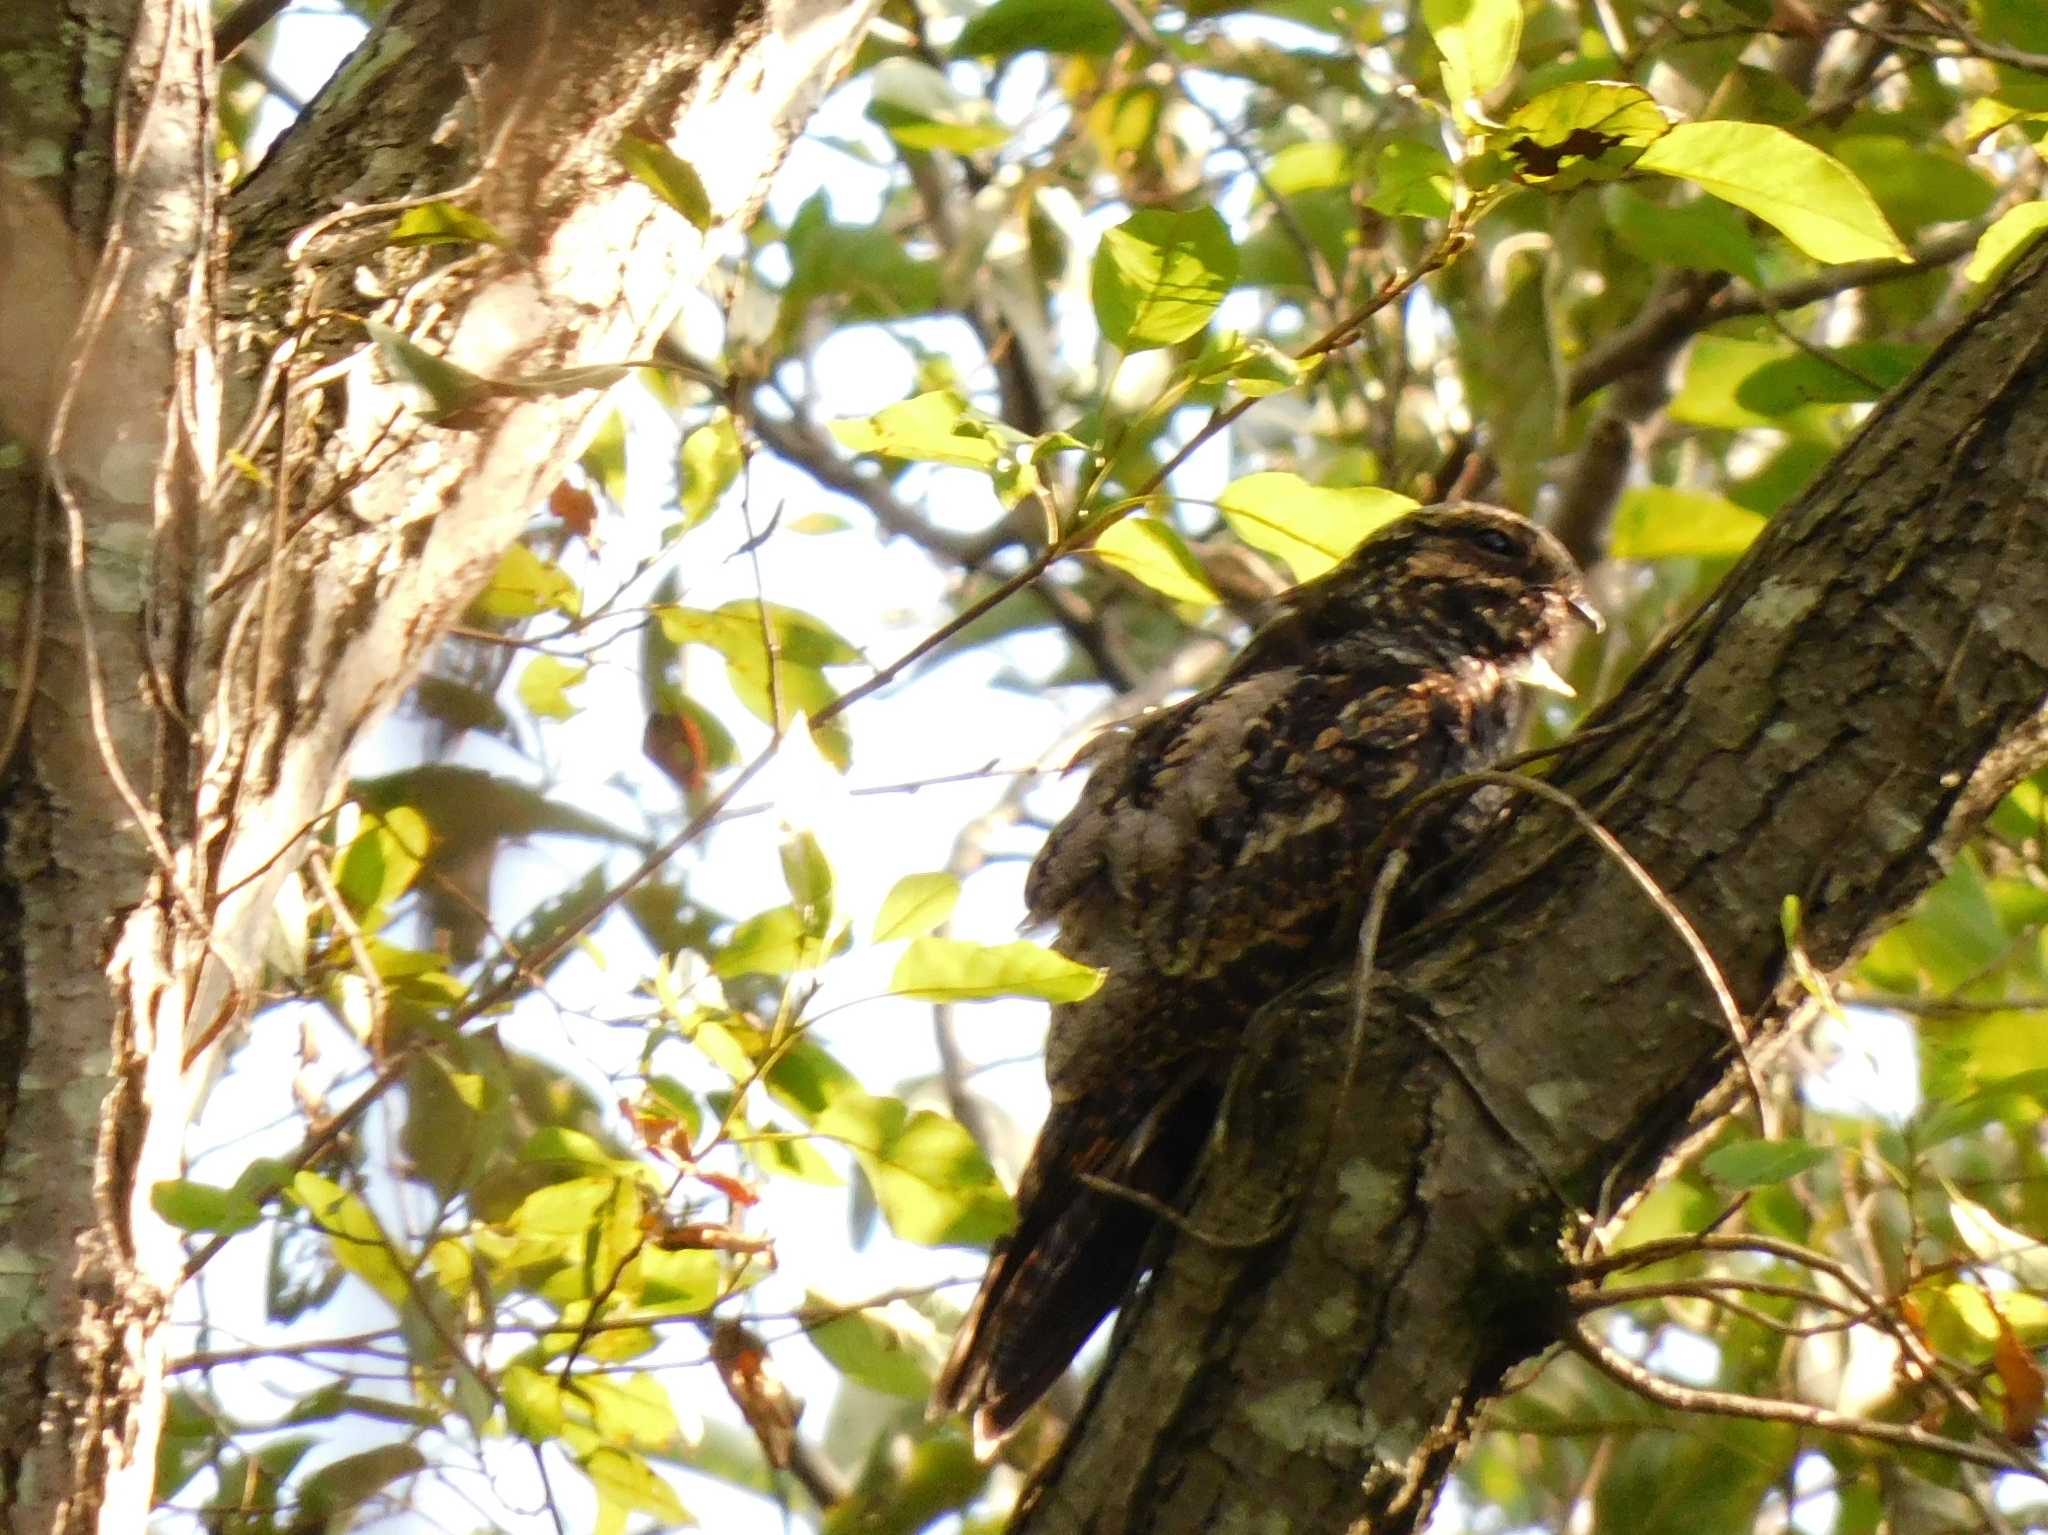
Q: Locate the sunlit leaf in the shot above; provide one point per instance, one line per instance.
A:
(774, 942)
(954, 970)
(1309, 527)
(1589, 130)
(1478, 40)
(1811, 198)
(709, 465)
(1412, 179)
(544, 686)
(524, 585)
(889, 1350)
(935, 427)
(358, 1238)
(194, 1206)
(1997, 248)
(382, 859)
(934, 1184)
(673, 179)
(1656, 522)
(1149, 551)
(915, 905)
(441, 223)
(921, 109)
(1159, 275)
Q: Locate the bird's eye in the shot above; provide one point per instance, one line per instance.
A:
(1494, 541)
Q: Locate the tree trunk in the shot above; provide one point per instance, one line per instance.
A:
(228, 538)
(1832, 725)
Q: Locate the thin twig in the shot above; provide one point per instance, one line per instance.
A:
(1626, 1372)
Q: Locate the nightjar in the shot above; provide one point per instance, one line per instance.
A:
(1218, 852)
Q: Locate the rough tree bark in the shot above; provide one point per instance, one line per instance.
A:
(1832, 725)
(227, 541)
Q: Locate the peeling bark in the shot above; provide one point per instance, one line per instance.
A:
(1832, 725)
(225, 641)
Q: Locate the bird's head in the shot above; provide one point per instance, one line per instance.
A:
(1461, 580)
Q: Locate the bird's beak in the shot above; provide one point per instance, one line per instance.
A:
(1537, 671)
(1582, 605)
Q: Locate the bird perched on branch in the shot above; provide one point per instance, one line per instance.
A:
(1219, 852)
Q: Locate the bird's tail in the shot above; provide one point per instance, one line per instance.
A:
(1076, 1250)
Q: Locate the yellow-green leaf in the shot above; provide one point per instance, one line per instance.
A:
(954, 970)
(1309, 527)
(917, 904)
(2016, 229)
(932, 1181)
(524, 585)
(1657, 523)
(444, 224)
(544, 686)
(360, 1245)
(888, 1350)
(1588, 130)
(674, 180)
(1159, 275)
(710, 463)
(1807, 195)
(1478, 40)
(1149, 551)
(382, 859)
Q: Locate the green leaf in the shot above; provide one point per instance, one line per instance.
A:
(1252, 364)
(1702, 234)
(921, 109)
(626, 1484)
(674, 180)
(1654, 522)
(917, 904)
(1159, 275)
(803, 645)
(1149, 551)
(1590, 130)
(709, 464)
(525, 585)
(1863, 370)
(444, 224)
(954, 970)
(933, 1183)
(358, 1239)
(1808, 196)
(874, 1347)
(938, 427)
(330, 1492)
(1714, 376)
(2015, 230)
(445, 390)
(1412, 180)
(1478, 40)
(1752, 1164)
(779, 941)
(1309, 527)
(382, 859)
(1010, 27)
(544, 686)
(1916, 183)
(203, 1207)
(808, 875)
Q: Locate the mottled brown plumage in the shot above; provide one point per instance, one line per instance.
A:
(1218, 851)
